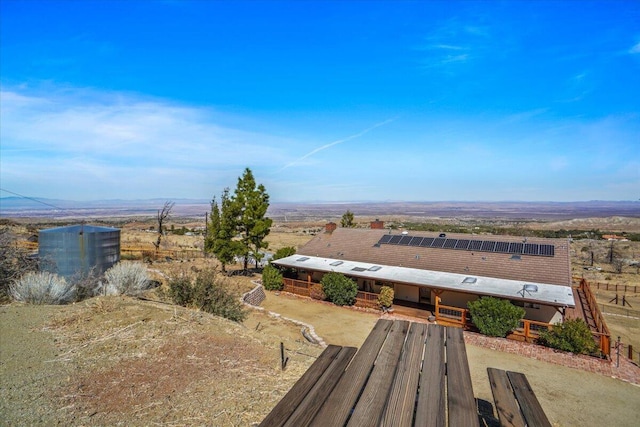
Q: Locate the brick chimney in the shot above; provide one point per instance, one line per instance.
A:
(330, 227)
(377, 224)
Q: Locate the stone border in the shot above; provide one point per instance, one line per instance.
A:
(258, 293)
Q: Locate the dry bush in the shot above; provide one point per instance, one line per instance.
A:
(127, 279)
(43, 288)
(316, 292)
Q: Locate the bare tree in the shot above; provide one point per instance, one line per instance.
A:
(162, 216)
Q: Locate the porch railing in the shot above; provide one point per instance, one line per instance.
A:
(530, 329)
(449, 314)
(301, 287)
(602, 335)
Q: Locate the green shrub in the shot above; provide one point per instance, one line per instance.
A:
(284, 252)
(573, 335)
(214, 296)
(272, 278)
(385, 298)
(316, 292)
(495, 317)
(339, 289)
(130, 278)
(181, 290)
(42, 288)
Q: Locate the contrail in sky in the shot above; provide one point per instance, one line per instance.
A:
(340, 141)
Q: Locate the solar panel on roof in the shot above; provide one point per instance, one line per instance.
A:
(530, 249)
(450, 243)
(405, 240)
(462, 244)
(534, 249)
(415, 241)
(488, 246)
(502, 247)
(475, 245)
(438, 243)
(385, 238)
(516, 248)
(547, 250)
(426, 242)
(394, 240)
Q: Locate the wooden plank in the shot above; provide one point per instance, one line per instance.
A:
(531, 410)
(337, 407)
(431, 407)
(461, 405)
(283, 410)
(312, 402)
(402, 398)
(371, 404)
(506, 404)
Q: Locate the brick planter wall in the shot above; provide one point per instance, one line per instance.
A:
(255, 296)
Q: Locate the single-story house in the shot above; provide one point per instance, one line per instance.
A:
(447, 269)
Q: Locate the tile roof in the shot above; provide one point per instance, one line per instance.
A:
(361, 245)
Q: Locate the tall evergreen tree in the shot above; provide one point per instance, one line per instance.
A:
(252, 203)
(222, 230)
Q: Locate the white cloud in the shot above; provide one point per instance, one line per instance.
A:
(82, 139)
(635, 49)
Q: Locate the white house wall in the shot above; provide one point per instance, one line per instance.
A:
(406, 293)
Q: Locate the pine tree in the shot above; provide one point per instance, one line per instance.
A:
(252, 203)
(222, 230)
(347, 220)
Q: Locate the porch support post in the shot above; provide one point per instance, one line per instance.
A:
(437, 293)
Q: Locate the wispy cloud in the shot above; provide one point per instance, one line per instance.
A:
(454, 43)
(78, 138)
(340, 141)
(635, 49)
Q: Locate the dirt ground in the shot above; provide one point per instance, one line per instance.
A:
(121, 361)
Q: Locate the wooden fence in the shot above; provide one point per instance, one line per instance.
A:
(605, 286)
(139, 253)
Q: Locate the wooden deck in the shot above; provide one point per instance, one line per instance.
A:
(405, 374)
(398, 376)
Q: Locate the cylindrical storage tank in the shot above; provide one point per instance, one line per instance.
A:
(78, 249)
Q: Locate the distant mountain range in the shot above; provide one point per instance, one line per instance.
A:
(57, 208)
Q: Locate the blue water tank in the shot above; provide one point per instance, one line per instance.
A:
(78, 249)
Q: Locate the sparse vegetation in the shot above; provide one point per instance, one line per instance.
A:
(339, 289)
(207, 292)
(573, 335)
(495, 317)
(42, 288)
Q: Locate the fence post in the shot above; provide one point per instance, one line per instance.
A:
(630, 352)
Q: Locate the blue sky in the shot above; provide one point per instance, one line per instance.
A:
(324, 101)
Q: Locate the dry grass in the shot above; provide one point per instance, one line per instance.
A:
(145, 363)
